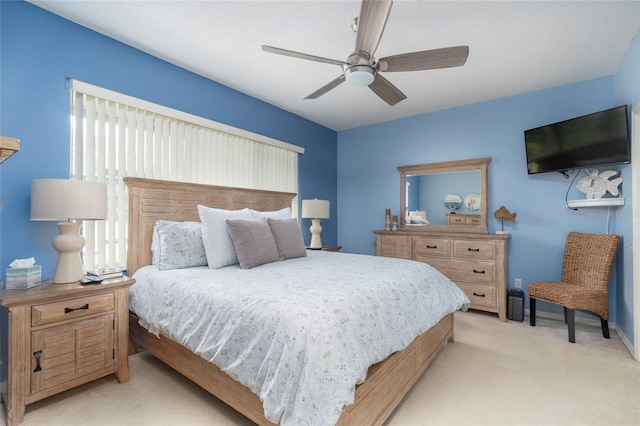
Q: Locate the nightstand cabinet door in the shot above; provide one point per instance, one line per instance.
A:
(64, 353)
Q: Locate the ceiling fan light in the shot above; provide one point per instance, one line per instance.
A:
(360, 77)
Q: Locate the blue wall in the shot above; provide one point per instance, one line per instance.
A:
(40, 50)
(355, 169)
(368, 181)
(627, 91)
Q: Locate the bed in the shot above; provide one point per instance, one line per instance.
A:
(371, 401)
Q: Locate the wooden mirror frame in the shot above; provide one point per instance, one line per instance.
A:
(447, 166)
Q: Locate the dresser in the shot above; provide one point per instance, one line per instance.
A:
(61, 336)
(476, 262)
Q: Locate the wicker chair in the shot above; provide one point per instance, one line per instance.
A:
(585, 279)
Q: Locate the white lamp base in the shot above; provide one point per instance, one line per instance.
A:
(69, 243)
(316, 230)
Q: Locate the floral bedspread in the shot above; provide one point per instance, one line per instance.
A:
(300, 333)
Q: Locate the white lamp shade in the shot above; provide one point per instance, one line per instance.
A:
(315, 209)
(68, 199)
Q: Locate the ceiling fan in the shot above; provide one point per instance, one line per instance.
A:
(361, 67)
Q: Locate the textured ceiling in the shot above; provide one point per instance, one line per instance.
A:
(515, 47)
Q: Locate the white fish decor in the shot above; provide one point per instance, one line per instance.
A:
(595, 186)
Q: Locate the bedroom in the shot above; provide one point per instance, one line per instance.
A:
(359, 187)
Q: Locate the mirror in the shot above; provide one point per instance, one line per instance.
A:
(449, 196)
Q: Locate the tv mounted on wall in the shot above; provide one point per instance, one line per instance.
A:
(593, 140)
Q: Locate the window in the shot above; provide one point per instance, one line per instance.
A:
(115, 135)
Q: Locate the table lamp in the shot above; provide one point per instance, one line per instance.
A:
(315, 210)
(66, 201)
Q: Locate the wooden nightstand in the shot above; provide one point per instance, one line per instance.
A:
(328, 248)
(62, 336)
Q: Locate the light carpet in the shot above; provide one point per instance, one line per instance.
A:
(494, 373)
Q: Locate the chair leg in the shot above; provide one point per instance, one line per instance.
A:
(605, 328)
(565, 315)
(570, 315)
(532, 311)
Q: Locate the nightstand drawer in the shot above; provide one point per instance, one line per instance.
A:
(72, 308)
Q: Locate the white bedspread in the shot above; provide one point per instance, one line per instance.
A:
(299, 333)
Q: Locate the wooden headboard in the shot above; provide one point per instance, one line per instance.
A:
(152, 199)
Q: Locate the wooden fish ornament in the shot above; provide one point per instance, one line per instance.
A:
(595, 186)
(503, 214)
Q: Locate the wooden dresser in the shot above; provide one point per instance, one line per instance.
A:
(476, 262)
(62, 336)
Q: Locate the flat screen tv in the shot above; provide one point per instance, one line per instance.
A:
(593, 140)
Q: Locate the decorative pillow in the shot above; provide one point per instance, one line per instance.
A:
(288, 237)
(253, 242)
(217, 243)
(277, 214)
(155, 246)
(179, 245)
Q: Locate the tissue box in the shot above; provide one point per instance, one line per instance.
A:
(23, 277)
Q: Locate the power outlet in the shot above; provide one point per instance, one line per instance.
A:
(518, 283)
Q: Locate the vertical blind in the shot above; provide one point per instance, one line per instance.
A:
(115, 135)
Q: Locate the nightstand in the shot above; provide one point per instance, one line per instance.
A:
(328, 248)
(64, 335)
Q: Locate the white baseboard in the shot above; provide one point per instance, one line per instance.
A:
(626, 342)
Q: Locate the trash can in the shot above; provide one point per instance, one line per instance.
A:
(515, 308)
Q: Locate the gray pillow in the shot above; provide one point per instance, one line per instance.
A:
(288, 237)
(253, 242)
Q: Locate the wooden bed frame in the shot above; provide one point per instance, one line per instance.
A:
(387, 382)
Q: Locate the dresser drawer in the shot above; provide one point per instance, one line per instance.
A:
(480, 295)
(430, 246)
(471, 249)
(442, 264)
(475, 271)
(474, 219)
(71, 308)
(455, 219)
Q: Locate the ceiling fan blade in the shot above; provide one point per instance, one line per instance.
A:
(426, 60)
(387, 91)
(371, 23)
(299, 55)
(324, 89)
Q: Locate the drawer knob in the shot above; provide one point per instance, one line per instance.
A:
(37, 354)
(85, 306)
(472, 249)
(475, 271)
(431, 247)
(478, 294)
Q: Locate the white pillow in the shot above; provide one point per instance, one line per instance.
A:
(277, 214)
(217, 242)
(179, 245)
